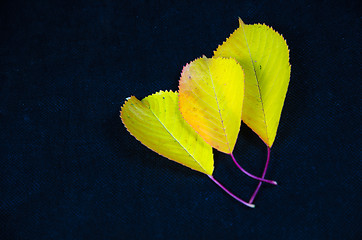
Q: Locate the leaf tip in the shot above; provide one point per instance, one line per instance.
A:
(125, 102)
(124, 106)
(241, 22)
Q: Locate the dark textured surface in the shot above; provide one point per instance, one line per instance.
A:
(70, 170)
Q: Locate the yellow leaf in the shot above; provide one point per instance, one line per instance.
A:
(157, 123)
(211, 99)
(264, 56)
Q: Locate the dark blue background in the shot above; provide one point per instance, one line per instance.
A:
(70, 170)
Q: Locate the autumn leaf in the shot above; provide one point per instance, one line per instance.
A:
(264, 56)
(157, 123)
(263, 53)
(211, 100)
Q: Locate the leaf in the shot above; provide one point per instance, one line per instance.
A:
(157, 123)
(211, 99)
(264, 56)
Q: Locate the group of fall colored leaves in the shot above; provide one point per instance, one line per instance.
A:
(246, 79)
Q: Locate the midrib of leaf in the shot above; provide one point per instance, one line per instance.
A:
(175, 138)
(218, 108)
(258, 85)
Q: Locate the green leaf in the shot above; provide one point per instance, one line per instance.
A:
(157, 123)
(264, 57)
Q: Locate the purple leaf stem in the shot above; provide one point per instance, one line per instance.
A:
(228, 192)
(264, 172)
(251, 175)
